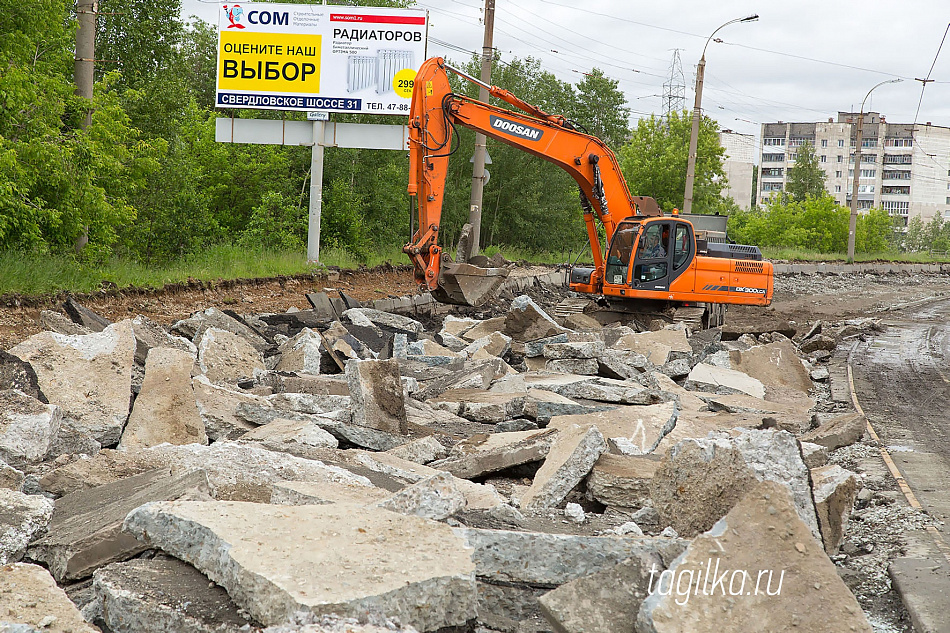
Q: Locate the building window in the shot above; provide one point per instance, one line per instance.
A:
(865, 188)
(838, 173)
(890, 174)
(824, 142)
(837, 188)
(840, 158)
(905, 190)
(898, 142)
(773, 141)
(868, 142)
(840, 142)
(773, 158)
(772, 171)
(824, 158)
(898, 159)
(895, 207)
(865, 173)
(771, 186)
(798, 141)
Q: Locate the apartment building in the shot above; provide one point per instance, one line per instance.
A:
(905, 169)
(739, 166)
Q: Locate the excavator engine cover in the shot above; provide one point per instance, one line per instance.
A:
(467, 285)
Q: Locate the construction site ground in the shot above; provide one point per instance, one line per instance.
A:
(899, 378)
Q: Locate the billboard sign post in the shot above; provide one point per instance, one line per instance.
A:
(318, 57)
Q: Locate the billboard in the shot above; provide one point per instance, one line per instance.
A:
(318, 57)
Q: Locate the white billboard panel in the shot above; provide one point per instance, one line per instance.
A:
(318, 57)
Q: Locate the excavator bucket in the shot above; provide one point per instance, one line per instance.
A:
(466, 284)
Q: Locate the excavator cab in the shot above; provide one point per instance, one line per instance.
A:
(647, 254)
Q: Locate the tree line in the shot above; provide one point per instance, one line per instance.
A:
(146, 179)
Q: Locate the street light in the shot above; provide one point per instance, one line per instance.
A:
(853, 221)
(697, 114)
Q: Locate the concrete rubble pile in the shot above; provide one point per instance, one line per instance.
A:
(350, 468)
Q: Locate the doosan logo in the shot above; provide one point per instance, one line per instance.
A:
(515, 129)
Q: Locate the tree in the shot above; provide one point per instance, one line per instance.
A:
(602, 109)
(654, 162)
(806, 178)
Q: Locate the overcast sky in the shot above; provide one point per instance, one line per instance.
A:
(803, 60)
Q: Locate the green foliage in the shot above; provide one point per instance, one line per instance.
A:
(654, 162)
(276, 223)
(816, 224)
(932, 236)
(602, 109)
(806, 178)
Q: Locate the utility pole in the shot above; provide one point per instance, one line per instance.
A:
(478, 172)
(84, 65)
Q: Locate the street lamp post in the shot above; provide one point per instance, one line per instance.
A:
(697, 115)
(853, 221)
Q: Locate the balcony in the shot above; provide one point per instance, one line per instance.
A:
(903, 191)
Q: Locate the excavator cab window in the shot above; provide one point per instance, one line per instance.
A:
(682, 245)
(621, 248)
(652, 264)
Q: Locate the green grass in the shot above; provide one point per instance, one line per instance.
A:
(27, 274)
(801, 255)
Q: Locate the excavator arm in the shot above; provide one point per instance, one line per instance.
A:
(434, 114)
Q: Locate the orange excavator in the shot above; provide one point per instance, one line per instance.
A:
(654, 262)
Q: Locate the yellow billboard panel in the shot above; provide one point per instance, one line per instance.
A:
(269, 62)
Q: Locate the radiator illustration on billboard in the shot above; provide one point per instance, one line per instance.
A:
(378, 71)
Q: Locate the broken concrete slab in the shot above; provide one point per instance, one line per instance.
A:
(57, 322)
(700, 480)
(550, 560)
(573, 350)
(604, 602)
(88, 376)
(622, 364)
(487, 407)
(378, 399)
(86, 530)
(388, 564)
(237, 471)
(194, 327)
(434, 498)
(483, 328)
(383, 320)
(281, 431)
(305, 493)
(19, 375)
(535, 348)
(477, 496)
(819, 342)
(149, 335)
(576, 366)
(712, 379)
(23, 518)
(225, 357)
(302, 353)
(85, 317)
(643, 426)
(835, 490)
(527, 321)
(475, 374)
(29, 597)
(815, 455)
(836, 431)
(543, 406)
(622, 480)
(774, 365)
(163, 595)
(218, 407)
(28, 427)
(571, 457)
(166, 409)
(494, 344)
(762, 542)
(457, 326)
(10, 477)
(657, 346)
(421, 451)
(482, 454)
(592, 388)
